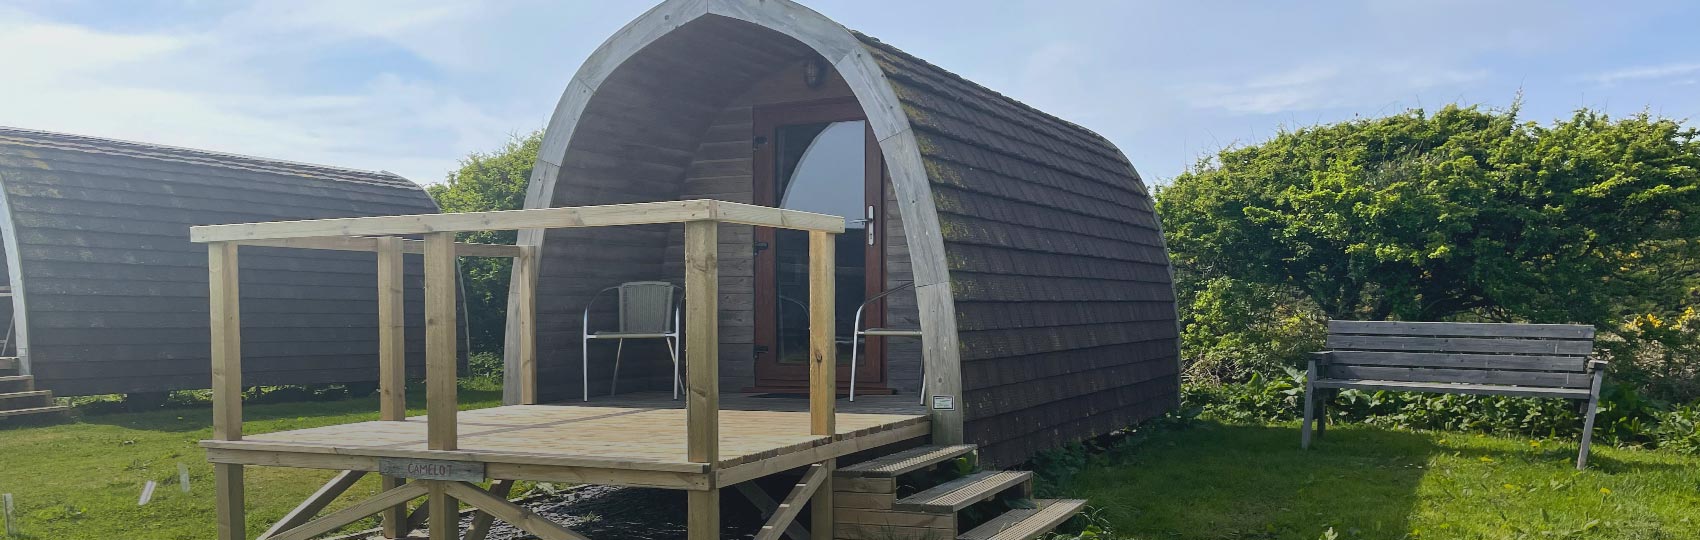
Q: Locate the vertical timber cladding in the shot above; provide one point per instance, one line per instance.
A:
(721, 169)
(638, 139)
(1065, 311)
(1043, 272)
(117, 293)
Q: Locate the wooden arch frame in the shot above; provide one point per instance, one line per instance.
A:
(15, 280)
(891, 127)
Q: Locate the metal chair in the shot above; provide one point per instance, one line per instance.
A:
(860, 333)
(643, 312)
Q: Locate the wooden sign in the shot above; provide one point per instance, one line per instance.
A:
(432, 469)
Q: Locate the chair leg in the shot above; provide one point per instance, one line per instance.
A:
(923, 384)
(1587, 432)
(1322, 412)
(853, 351)
(1304, 429)
(673, 349)
(615, 380)
(585, 365)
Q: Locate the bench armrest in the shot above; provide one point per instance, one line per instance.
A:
(1322, 357)
(1596, 365)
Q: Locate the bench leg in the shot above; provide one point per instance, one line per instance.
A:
(1588, 422)
(1310, 410)
(1322, 411)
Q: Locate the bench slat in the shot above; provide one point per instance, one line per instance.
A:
(1453, 329)
(1481, 389)
(1567, 364)
(1439, 375)
(1459, 345)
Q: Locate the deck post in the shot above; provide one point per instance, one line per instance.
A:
(225, 310)
(444, 512)
(702, 370)
(440, 400)
(392, 360)
(525, 319)
(441, 403)
(823, 367)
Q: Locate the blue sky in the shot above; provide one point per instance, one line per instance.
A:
(411, 86)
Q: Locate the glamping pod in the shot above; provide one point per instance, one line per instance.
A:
(1021, 248)
(108, 295)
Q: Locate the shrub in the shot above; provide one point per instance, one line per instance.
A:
(485, 364)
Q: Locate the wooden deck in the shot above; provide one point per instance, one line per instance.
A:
(631, 439)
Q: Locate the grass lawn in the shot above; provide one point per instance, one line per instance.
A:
(81, 480)
(1209, 480)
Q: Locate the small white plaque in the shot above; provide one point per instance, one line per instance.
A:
(432, 469)
(944, 403)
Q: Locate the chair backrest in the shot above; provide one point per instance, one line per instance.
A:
(646, 306)
(1543, 355)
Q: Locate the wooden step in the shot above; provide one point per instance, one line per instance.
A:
(32, 394)
(17, 383)
(962, 492)
(1027, 523)
(907, 461)
(35, 410)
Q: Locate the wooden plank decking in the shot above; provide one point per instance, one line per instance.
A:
(642, 433)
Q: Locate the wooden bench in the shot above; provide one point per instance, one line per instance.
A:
(1529, 360)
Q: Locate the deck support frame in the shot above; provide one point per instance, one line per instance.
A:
(701, 219)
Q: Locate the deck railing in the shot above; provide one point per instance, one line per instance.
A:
(701, 219)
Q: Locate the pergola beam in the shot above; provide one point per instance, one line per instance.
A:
(648, 213)
(374, 243)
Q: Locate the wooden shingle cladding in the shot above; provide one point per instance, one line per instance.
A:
(1042, 282)
(1064, 304)
(116, 295)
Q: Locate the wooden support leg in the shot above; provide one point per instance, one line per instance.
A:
(355, 512)
(318, 501)
(514, 514)
(225, 310)
(394, 517)
(1322, 411)
(1310, 411)
(232, 520)
(481, 522)
(821, 522)
(813, 480)
(768, 506)
(445, 513)
(702, 345)
(703, 522)
(1588, 421)
(416, 518)
(441, 403)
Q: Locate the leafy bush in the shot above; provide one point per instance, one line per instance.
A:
(487, 181)
(1459, 214)
(485, 364)
(1679, 429)
(1236, 328)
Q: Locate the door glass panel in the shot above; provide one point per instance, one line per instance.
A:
(822, 168)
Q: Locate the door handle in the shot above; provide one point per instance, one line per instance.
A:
(870, 222)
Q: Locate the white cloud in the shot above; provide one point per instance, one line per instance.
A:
(1649, 73)
(210, 88)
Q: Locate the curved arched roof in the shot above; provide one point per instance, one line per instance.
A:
(1035, 247)
(110, 295)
